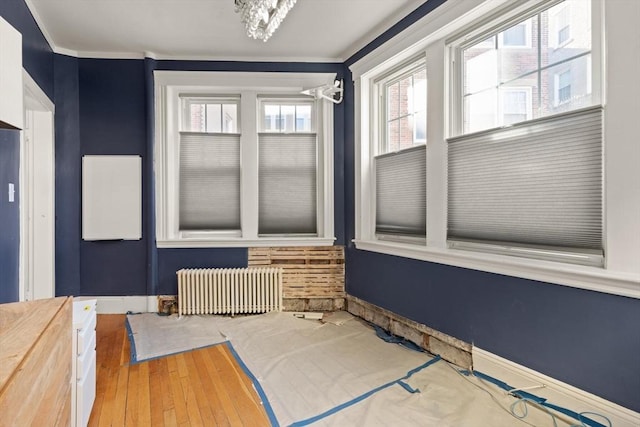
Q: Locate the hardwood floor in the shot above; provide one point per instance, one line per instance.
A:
(197, 388)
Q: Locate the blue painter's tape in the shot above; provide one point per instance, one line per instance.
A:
(265, 402)
(133, 357)
(408, 387)
(537, 399)
(367, 394)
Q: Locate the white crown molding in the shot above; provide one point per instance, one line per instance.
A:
(67, 52)
(109, 55)
(163, 57)
(380, 29)
(556, 392)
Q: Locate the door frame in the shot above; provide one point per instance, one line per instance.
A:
(37, 208)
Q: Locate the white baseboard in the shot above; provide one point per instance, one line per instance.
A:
(121, 305)
(556, 392)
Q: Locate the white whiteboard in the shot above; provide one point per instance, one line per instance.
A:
(111, 198)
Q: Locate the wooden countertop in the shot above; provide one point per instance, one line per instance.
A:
(21, 325)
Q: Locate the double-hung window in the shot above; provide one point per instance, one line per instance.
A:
(523, 143)
(400, 160)
(209, 166)
(525, 160)
(242, 159)
(287, 168)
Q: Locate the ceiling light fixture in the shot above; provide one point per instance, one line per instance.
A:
(262, 17)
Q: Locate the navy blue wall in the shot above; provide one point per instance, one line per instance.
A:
(587, 339)
(67, 173)
(9, 216)
(106, 107)
(113, 121)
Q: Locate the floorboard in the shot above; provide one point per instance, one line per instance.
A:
(199, 388)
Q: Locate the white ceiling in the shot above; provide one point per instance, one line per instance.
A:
(314, 30)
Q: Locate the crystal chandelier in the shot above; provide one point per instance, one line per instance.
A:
(262, 17)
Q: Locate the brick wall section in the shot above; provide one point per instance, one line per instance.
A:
(308, 272)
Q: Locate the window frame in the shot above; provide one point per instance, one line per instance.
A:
(430, 36)
(251, 87)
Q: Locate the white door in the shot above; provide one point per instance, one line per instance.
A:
(37, 196)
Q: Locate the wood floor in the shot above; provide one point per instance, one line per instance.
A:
(198, 388)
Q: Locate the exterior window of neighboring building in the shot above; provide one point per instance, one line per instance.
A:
(517, 36)
(516, 105)
(563, 85)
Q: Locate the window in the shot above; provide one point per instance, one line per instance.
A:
(400, 161)
(209, 168)
(516, 105)
(405, 112)
(563, 87)
(517, 36)
(488, 68)
(562, 25)
(287, 175)
(242, 161)
(442, 47)
(535, 190)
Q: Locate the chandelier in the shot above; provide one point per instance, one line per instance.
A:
(262, 17)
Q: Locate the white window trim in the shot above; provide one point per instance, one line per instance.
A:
(168, 85)
(621, 275)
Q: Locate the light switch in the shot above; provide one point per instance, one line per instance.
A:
(12, 192)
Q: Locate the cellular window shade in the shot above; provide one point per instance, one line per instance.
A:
(287, 184)
(401, 192)
(209, 181)
(537, 183)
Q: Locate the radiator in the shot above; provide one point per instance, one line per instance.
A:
(229, 290)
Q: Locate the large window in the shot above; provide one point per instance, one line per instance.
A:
(521, 145)
(242, 161)
(536, 189)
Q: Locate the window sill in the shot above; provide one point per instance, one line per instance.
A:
(583, 277)
(246, 243)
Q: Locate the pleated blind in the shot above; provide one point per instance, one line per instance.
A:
(209, 181)
(401, 193)
(538, 183)
(287, 184)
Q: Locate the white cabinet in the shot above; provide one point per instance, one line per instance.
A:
(11, 114)
(83, 372)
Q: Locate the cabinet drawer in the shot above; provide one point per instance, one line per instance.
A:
(84, 362)
(86, 394)
(87, 334)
